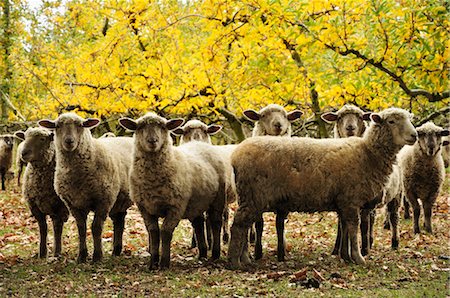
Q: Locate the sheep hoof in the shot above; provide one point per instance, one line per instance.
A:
(281, 258)
(42, 255)
(407, 216)
(164, 263)
(416, 230)
(394, 244)
(359, 260)
(258, 254)
(97, 257)
(117, 250)
(364, 252)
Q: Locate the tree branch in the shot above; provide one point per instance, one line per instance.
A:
(434, 115)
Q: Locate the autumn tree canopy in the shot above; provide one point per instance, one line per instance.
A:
(213, 59)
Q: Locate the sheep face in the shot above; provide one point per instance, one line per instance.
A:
(69, 129)
(273, 119)
(6, 142)
(151, 131)
(430, 138)
(195, 130)
(349, 121)
(36, 144)
(398, 124)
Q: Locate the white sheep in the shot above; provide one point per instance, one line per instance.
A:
(272, 120)
(312, 175)
(196, 130)
(175, 183)
(6, 152)
(38, 151)
(91, 175)
(423, 171)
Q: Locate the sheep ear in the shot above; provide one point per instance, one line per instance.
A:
(128, 123)
(329, 117)
(90, 123)
(366, 116)
(213, 129)
(50, 124)
(376, 118)
(445, 143)
(252, 115)
(20, 135)
(178, 131)
(174, 123)
(294, 115)
(445, 132)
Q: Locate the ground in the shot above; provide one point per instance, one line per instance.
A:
(419, 268)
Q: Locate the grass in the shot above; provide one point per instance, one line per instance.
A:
(419, 268)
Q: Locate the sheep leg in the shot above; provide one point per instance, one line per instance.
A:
(19, 174)
(412, 199)
(344, 245)
(208, 232)
(198, 224)
(225, 228)
(351, 219)
(427, 211)
(193, 240)
(406, 215)
(152, 226)
(97, 228)
(239, 232)
(392, 211)
(58, 224)
(215, 218)
(338, 240)
(386, 224)
(80, 218)
(119, 226)
(170, 222)
(42, 222)
(3, 173)
(372, 215)
(252, 234)
(281, 251)
(259, 227)
(365, 232)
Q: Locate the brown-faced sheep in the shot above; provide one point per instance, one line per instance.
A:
(175, 183)
(91, 175)
(423, 171)
(38, 151)
(6, 151)
(272, 120)
(310, 175)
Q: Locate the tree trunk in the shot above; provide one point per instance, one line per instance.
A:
(6, 42)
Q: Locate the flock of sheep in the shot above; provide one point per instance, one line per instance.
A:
(360, 170)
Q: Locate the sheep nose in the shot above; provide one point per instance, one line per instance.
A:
(25, 153)
(414, 136)
(277, 125)
(350, 127)
(152, 140)
(69, 141)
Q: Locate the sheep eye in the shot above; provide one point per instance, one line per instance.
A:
(391, 121)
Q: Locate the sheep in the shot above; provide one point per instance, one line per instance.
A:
(349, 121)
(273, 120)
(196, 130)
(313, 175)
(38, 151)
(107, 135)
(91, 175)
(6, 151)
(423, 171)
(174, 183)
(20, 163)
(446, 151)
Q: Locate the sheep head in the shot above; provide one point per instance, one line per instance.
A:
(273, 119)
(430, 138)
(152, 132)
(349, 121)
(195, 130)
(69, 129)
